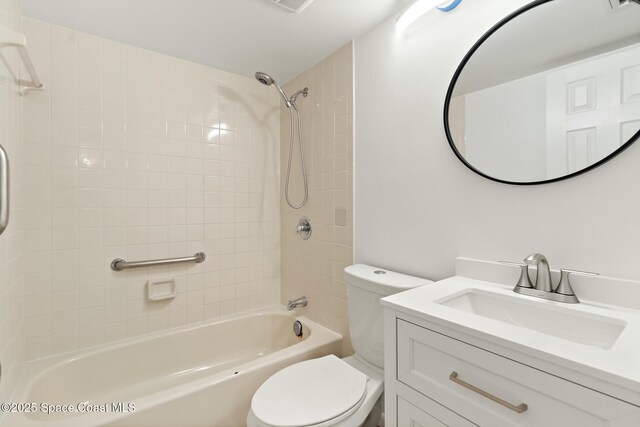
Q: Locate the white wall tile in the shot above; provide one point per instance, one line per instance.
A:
(325, 118)
(124, 154)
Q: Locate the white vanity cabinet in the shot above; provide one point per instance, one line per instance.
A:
(434, 378)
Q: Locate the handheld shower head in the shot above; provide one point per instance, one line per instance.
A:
(264, 78)
(267, 80)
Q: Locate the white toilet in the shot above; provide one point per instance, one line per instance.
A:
(329, 391)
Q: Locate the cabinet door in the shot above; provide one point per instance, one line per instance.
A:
(411, 416)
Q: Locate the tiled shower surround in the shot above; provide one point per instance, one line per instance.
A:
(12, 341)
(132, 154)
(314, 267)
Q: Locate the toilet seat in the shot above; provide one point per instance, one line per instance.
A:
(313, 392)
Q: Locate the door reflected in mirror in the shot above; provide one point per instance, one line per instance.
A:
(551, 92)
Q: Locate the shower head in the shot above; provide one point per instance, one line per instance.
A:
(264, 78)
(267, 80)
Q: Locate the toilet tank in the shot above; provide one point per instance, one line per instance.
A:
(365, 286)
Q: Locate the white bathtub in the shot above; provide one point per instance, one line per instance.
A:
(198, 376)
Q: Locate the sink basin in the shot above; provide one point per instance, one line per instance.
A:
(549, 319)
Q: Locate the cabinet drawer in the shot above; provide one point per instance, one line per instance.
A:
(494, 391)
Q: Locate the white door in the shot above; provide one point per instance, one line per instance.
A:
(593, 107)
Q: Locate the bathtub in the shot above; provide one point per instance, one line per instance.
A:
(197, 376)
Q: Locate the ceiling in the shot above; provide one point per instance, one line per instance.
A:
(240, 36)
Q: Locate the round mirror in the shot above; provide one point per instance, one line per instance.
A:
(550, 92)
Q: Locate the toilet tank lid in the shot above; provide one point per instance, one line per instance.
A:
(381, 280)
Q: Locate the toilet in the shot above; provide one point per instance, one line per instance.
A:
(330, 391)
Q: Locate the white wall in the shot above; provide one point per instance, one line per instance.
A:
(506, 129)
(417, 207)
(136, 155)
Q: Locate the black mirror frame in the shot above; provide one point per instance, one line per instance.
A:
(452, 85)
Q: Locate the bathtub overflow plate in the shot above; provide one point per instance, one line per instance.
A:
(297, 328)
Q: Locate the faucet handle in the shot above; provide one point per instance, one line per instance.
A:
(564, 287)
(524, 281)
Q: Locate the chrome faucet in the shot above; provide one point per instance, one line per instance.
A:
(543, 279)
(543, 287)
(298, 302)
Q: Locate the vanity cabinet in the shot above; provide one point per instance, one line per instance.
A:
(434, 378)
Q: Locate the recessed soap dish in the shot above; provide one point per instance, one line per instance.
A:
(161, 289)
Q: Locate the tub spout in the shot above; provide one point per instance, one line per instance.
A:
(298, 302)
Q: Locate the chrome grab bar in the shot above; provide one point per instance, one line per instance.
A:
(4, 190)
(119, 264)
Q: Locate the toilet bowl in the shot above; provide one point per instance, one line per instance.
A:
(330, 391)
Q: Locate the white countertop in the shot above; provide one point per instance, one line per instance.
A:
(619, 364)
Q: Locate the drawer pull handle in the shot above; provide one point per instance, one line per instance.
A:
(519, 409)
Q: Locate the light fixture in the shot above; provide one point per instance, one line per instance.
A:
(421, 7)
